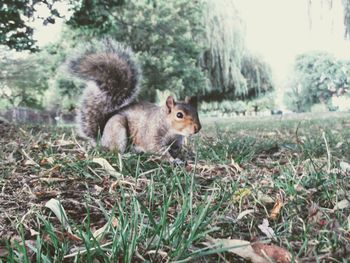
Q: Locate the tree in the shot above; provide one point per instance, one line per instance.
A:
(23, 81)
(258, 75)
(178, 50)
(346, 4)
(316, 77)
(15, 32)
(222, 58)
(329, 4)
(164, 34)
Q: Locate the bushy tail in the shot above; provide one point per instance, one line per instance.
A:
(112, 77)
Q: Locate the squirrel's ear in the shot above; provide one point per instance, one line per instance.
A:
(192, 100)
(170, 103)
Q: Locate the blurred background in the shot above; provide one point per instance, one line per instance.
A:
(240, 57)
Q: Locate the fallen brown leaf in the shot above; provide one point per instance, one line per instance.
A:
(276, 209)
(241, 248)
(107, 167)
(45, 161)
(47, 194)
(272, 252)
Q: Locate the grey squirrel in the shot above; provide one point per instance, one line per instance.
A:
(111, 78)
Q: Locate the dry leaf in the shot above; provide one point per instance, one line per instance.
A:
(97, 189)
(276, 209)
(345, 166)
(339, 144)
(50, 180)
(98, 233)
(59, 211)
(244, 213)
(239, 247)
(45, 161)
(268, 231)
(4, 251)
(264, 198)
(210, 170)
(33, 232)
(30, 162)
(107, 167)
(299, 188)
(236, 166)
(115, 222)
(315, 214)
(46, 194)
(64, 142)
(120, 182)
(72, 236)
(273, 252)
(341, 205)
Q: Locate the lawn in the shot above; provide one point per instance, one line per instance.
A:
(63, 200)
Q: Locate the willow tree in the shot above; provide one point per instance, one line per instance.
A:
(258, 75)
(329, 6)
(346, 4)
(224, 39)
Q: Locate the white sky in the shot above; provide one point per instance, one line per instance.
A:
(279, 30)
(51, 32)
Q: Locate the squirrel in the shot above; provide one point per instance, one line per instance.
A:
(111, 76)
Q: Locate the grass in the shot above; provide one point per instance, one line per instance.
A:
(150, 210)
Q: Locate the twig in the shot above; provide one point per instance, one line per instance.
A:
(328, 153)
(83, 250)
(30, 159)
(296, 133)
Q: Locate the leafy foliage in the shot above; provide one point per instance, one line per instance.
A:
(14, 16)
(258, 75)
(23, 84)
(178, 44)
(233, 72)
(265, 102)
(25, 81)
(316, 77)
(162, 33)
(261, 103)
(346, 4)
(63, 90)
(224, 49)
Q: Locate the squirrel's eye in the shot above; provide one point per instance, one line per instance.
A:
(179, 115)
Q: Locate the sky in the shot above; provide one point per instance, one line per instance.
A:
(51, 32)
(280, 29)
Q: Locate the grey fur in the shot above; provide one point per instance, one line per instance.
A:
(112, 78)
